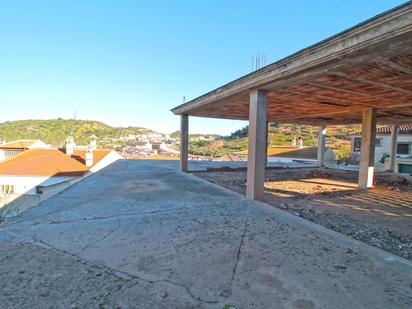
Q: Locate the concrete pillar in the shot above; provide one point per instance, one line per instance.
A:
(321, 146)
(367, 156)
(394, 146)
(184, 142)
(267, 143)
(257, 145)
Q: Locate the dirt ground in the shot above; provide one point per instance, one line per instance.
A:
(381, 217)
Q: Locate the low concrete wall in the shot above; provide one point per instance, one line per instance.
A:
(14, 204)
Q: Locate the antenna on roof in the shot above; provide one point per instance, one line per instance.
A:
(258, 61)
(184, 99)
(75, 115)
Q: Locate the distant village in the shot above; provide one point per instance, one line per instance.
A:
(156, 146)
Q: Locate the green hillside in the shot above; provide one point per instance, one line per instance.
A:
(55, 131)
(338, 138)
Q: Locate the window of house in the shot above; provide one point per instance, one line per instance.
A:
(7, 189)
(357, 144)
(378, 142)
(403, 148)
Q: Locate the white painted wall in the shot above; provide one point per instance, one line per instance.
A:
(111, 157)
(385, 146)
(28, 184)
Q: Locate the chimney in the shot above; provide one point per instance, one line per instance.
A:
(294, 141)
(89, 156)
(69, 146)
(93, 142)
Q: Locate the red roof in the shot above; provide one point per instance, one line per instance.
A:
(404, 129)
(49, 162)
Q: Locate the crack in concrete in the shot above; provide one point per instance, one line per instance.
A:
(189, 292)
(108, 234)
(238, 254)
(129, 214)
(186, 243)
(51, 212)
(189, 242)
(127, 277)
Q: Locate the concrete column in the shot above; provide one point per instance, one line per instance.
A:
(184, 142)
(267, 143)
(321, 146)
(367, 156)
(394, 146)
(257, 145)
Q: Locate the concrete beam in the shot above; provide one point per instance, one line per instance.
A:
(394, 144)
(367, 159)
(323, 55)
(184, 142)
(321, 146)
(257, 150)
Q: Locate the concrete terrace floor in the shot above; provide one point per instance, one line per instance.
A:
(139, 234)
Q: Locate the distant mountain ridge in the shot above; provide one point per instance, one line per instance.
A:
(55, 131)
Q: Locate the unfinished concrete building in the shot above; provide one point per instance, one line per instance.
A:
(362, 75)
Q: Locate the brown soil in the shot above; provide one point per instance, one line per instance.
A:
(381, 217)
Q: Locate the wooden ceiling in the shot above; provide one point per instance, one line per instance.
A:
(332, 87)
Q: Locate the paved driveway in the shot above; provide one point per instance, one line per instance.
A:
(139, 234)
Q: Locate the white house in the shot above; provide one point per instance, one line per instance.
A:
(156, 137)
(403, 159)
(144, 146)
(24, 173)
(36, 174)
(11, 149)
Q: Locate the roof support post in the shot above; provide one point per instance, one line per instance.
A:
(321, 145)
(257, 145)
(267, 143)
(184, 142)
(394, 145)
(367, 159)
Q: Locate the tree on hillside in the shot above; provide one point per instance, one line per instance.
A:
(239, 133)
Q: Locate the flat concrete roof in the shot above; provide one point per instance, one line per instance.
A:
(141, 234)
(368, 65)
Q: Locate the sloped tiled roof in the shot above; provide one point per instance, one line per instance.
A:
(20, 144)
(404, 129)
(49, 162)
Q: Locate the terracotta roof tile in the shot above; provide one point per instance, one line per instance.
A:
(404, 129)
(49, 162)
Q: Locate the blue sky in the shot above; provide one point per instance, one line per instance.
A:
(129, 62)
